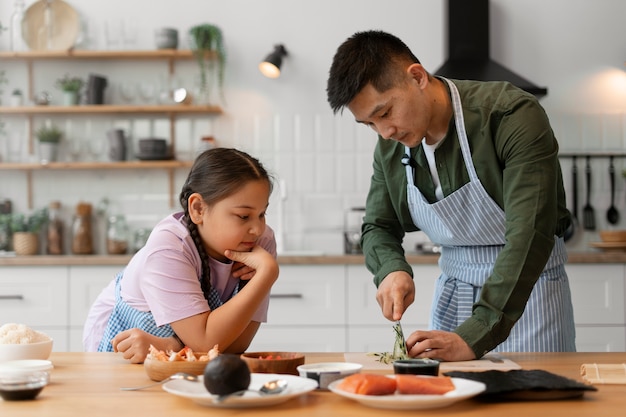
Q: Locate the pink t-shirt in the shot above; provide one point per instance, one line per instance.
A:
(163, 278)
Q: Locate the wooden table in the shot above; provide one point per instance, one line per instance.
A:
(87, 384)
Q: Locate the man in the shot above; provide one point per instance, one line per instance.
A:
(475, 166)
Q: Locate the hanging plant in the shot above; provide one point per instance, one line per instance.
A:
(205, 40)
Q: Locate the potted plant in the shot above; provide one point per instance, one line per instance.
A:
(25, 230)
(16, 99)
(49, 137)
(207, 42)
(71, 87)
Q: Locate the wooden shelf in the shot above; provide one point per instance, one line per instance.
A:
(171, 111)
(28, 168)
(65, 166)
(113, 109)
(88, 54)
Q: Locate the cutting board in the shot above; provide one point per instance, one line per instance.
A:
(487, 362)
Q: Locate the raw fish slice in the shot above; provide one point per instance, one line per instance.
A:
(416, 384)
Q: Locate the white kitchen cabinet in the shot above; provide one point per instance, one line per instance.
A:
(368, 329)
(307, 310)
(38, 297)
(86, 283)
(598, 296)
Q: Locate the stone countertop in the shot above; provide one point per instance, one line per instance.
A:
(588, 257)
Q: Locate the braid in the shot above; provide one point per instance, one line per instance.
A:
(205, 277)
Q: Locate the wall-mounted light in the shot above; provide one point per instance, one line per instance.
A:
(270, 67)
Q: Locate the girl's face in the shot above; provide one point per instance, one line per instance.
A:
(235, 222)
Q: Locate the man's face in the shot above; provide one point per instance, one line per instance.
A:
(401, 113)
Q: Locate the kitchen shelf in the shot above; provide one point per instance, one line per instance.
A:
(28, 168)
(113, 109)
(169, 111)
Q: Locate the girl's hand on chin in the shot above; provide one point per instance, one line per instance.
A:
(242, 271)
(257, 261)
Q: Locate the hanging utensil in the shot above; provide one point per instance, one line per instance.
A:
(589, 216)
(571, 230)
(612, 215)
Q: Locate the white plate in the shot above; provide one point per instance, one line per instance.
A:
(196, 391)
(464, 388)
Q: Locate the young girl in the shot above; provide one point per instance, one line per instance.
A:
(204, 276)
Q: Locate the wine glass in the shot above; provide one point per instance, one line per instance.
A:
(127, 91)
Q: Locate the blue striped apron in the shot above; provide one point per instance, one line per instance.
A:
(124, 317)
(470, 227)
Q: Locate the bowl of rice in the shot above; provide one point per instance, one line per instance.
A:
(18, 341)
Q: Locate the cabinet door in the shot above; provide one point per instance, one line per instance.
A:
(307, 310)
(600, 339)
(308, 295)
(363, 309)
(597, 293)
(35, 296)
(299, 339)
(86, 283)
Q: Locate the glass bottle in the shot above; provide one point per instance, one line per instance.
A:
(82, 242)
(17, 38)
(55, 229)
(117, 235)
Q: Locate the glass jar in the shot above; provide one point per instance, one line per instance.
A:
(55, 229)
(117, 235)
(82, 243)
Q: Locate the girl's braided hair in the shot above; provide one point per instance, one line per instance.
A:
(215, 175)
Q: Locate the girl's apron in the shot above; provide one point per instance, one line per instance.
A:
(470, 227)
(124, 317)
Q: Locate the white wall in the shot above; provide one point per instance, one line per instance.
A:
(574, 47)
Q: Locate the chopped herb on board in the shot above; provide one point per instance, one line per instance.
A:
(399, 347)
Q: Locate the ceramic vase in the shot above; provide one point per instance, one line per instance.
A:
(48, 152)
(70, 98)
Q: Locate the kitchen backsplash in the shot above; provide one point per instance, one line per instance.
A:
(322, 162)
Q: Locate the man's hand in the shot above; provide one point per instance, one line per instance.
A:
(437, 344)
(395, 294)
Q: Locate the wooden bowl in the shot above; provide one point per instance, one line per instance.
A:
(613, 235)
(159, 370)
(273, 362)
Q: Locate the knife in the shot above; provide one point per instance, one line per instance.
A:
(399, 348)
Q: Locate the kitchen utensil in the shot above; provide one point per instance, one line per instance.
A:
(275, 386)
(179, 375)
(589, 216)
(571, 230)
(612, 215)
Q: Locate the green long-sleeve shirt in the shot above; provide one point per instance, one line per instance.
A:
(515, 155)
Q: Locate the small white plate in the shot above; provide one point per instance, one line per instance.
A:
(464, 388)
(196, 391)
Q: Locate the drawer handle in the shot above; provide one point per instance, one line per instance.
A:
(12, 297)
(285, 295)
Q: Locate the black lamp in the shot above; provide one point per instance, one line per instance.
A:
(270, 67)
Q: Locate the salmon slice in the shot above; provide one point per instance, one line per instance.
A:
(416, 384)
(368, 384)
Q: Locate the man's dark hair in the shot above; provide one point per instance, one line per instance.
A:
(365, 57)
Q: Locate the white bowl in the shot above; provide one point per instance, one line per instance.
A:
(38, 350)
(326, 372)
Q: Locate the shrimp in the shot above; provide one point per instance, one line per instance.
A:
(154, 353)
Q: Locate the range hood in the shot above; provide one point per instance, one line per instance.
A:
(468, 48)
